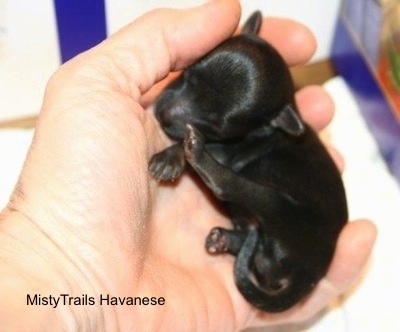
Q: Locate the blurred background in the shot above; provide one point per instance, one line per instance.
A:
(30, 48)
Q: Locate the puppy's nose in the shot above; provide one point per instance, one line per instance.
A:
(164, 117)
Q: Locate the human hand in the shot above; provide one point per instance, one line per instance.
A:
(89, 219)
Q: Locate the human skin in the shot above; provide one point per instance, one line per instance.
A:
(86, 217)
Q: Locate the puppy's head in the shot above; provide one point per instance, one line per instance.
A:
(239, 86)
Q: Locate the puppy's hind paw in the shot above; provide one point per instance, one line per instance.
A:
(217, 241)
(193, 143)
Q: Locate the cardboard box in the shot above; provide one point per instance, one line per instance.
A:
(366, 52)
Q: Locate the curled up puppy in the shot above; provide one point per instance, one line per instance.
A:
(235, 121)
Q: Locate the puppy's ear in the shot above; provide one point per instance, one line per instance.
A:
(289, 121)
(253, 23)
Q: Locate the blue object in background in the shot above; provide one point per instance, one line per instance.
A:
(350, 63)
(81, 25)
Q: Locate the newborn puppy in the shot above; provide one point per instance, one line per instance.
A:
(234, 117)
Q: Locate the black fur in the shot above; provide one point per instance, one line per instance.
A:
(235, 121)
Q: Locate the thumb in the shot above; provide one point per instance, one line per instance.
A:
(165, 40)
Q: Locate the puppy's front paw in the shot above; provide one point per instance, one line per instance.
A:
(193, 143)
(217, 241)
(168, 164)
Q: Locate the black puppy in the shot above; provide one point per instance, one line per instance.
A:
(234, 116)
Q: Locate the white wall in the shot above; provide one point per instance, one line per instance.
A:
(28, 43)
(28, 55)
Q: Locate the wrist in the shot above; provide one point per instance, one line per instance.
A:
(37, 280)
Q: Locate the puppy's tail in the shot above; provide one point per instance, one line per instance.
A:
(281, 296)
(253, 24)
